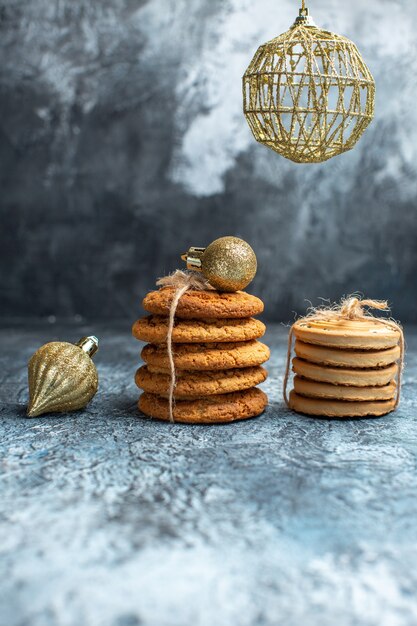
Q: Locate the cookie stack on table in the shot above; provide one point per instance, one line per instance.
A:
(217, 356)
(345, 368)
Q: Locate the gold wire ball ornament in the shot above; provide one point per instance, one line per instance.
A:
(308, 93)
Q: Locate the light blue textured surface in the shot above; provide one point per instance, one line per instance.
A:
(108, 519)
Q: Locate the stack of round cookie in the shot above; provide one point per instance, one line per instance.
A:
(216, 352)
(345, 368)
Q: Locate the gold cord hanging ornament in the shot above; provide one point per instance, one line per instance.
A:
(308, 93)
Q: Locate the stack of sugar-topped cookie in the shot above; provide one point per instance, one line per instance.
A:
(345, 367)
(217, 356)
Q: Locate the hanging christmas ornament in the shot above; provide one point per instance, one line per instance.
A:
(229, 263)
(308, 94)
(62, 377)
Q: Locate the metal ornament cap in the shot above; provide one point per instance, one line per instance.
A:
(228, 263)
(305, 19)
(62, 377)
(89, 345)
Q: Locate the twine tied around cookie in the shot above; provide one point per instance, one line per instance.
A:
(351, 308)
(181, 282)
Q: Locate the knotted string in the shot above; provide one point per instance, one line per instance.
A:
(349, 309)
(181, 282)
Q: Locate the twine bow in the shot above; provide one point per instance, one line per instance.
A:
(181, 282)
(351, 308)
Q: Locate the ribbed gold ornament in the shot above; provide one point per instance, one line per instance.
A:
(308, 93)
(62, 377)
(228, 263)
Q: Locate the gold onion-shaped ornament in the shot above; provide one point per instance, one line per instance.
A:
(62, 376)
(228, 263)
(308, 94)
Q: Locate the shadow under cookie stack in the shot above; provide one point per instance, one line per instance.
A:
(346, 367)
(217, 357)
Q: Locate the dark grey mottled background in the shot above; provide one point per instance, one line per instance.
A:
(122, 142)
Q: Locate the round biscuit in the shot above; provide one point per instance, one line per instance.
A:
(215, 356)
(154, 329)
(338, 357)
(204, 304)
(344, 376)
(211, 410)
(363, 334)
(199, 384)
(312, 389)
(339, 408)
